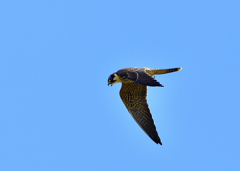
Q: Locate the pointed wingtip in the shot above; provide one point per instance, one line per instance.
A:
(179, 68)
(158, 142)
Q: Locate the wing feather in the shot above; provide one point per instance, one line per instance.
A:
(134, 97)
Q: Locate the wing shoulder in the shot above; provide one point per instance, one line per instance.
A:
(139, 75)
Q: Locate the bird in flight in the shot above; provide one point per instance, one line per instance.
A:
(134, 94)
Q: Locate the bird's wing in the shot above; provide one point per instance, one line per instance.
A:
(139, 75)
(134, 97)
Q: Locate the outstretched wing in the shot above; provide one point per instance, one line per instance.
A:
(134, 97)
(138, 75)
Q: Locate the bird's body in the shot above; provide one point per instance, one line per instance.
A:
(134, 94)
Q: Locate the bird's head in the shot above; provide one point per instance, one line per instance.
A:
(113, 78)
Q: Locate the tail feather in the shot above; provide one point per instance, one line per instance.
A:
(161, 71)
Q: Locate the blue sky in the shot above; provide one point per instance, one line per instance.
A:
(57, 112)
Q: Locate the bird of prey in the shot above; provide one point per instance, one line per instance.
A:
(134, 94)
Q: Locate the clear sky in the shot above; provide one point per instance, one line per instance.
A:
(57, 112)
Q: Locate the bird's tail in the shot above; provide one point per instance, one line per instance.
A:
(162, 71)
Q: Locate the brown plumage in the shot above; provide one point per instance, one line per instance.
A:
(134, 95)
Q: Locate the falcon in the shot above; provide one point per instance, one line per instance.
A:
(134, 94)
